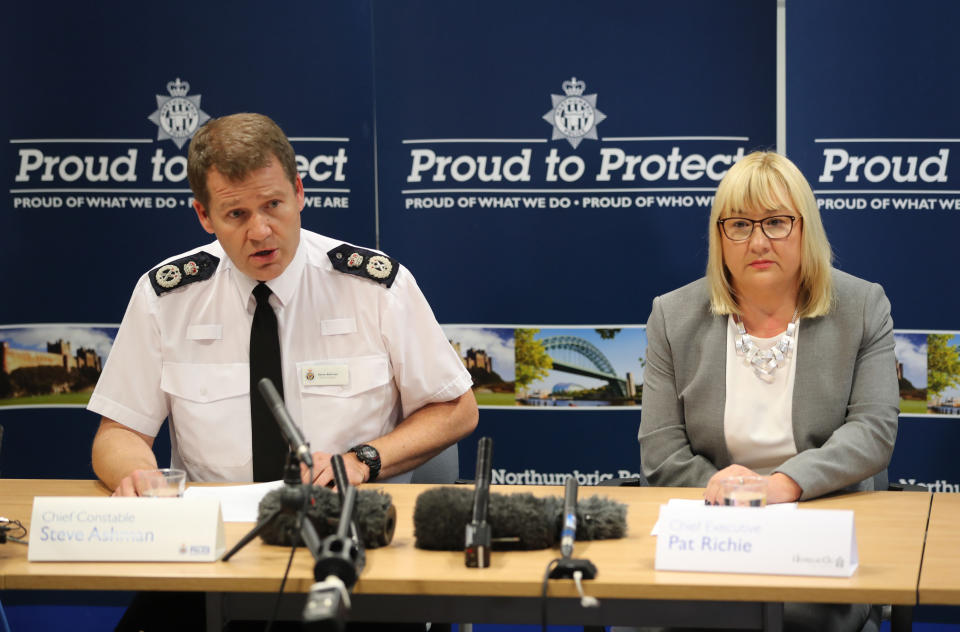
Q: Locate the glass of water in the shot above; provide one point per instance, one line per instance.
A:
(165, 482)
(744, 491)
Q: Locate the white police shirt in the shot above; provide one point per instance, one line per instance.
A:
(185, 355)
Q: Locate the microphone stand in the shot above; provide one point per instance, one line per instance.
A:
(338, 564)
(343, 484)
(294, 496)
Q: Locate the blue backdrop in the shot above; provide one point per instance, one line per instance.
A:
(594, 222)
(867, 96)
(538, 164)
(89, 79)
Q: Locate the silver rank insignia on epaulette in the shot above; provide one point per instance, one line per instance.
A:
(368, 264)
(198, 266)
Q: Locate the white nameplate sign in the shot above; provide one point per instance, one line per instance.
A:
(753, 540)
(96, 529)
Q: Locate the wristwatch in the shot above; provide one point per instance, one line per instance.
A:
(368, 455)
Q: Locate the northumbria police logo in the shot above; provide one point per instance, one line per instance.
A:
(178, 116)
(574, 116)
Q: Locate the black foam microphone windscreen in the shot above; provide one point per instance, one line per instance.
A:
(440, 517)
(374, 514)
(518, 521)
(600, 518)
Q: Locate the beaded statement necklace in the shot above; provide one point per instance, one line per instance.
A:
(766, 361)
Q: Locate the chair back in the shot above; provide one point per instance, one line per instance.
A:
(443, 468)
(881, 482)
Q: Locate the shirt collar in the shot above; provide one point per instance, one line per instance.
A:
(283, 287)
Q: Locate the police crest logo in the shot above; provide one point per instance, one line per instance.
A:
(178, 116)
(574, 115)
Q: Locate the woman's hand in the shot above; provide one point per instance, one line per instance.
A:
(713, 494)
(780, 487)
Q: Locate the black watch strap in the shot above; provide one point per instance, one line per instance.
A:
(369, 456)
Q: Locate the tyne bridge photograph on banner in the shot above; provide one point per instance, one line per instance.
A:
(580, 367)
(555, 367)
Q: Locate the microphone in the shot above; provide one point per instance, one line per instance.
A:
(339, 475)
(477, 542)
(517, 521)
(336, 572)
(566, 565)
(298, 444)
(569, 530)
(374, 514)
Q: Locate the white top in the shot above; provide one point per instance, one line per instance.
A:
(758, 415)
(185, 355)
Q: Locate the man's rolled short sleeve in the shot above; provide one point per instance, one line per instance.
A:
(128, 390)
(426, 368)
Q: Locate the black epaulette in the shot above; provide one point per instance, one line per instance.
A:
(364, 263)
(199, 266)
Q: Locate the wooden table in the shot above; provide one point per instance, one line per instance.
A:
(940, 575)
(401, 582)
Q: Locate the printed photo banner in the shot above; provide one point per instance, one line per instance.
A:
(530, 367)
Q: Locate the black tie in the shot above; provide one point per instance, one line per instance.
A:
(269, 447)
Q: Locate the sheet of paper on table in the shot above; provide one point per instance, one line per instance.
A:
(673, 502)
(238, 503)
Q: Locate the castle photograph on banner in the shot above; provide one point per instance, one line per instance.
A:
(928, 369)
(553, 368)
(52, 365)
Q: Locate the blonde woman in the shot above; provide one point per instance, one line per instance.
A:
(774, 364)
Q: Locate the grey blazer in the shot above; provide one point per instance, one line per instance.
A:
(845, 397)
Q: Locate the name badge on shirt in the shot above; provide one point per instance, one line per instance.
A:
(325, 375)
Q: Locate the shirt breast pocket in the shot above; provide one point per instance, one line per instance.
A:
(338, 416)
(210, 409)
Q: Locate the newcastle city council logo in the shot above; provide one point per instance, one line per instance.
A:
(574, 116)
(178, 116)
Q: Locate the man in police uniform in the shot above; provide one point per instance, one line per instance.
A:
(366, 369)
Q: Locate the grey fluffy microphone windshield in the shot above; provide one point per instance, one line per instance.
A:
(518, 521)
(374, 514)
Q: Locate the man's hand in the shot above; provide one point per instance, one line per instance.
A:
(356, 471)
(132, 484)
(127, 487)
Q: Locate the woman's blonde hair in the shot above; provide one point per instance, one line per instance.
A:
(760, 181)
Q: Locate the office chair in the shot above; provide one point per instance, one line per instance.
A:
(443, 468)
